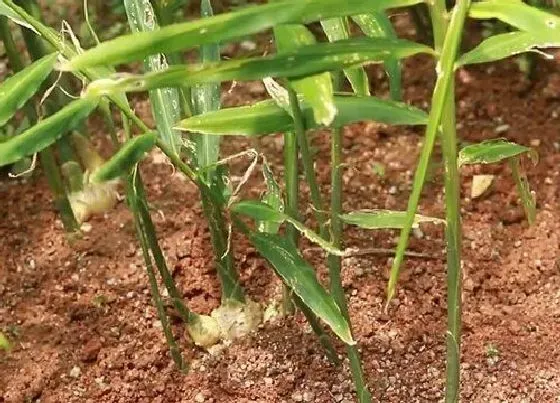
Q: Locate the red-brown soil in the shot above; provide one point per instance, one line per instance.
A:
(86, 303)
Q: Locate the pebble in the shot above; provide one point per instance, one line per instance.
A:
(393, 190)
(297, 396)
(199, 398)
(75, 372)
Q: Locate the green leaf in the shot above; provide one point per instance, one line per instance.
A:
(490, 151)
(47, 131)
(384, 219)
(304, 61)
(500, 46)
(273, 198)
(301, 278)
(206, 98)
(224, 27)
(337, 29)
(122, 163)
(377, 24)
(69, 51)
(260, 211)
(522, 184)
(316, 90)
(163, 101)
(17, 89)
(8, 11)
(267, 118)
(445, 76)
(518, 14)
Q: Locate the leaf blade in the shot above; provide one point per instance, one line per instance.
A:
(19, 88)
(384, 219)
(301, 278)
(47, 131)
(124, 160)
(224, 27)
(490, 151)
(266, 117)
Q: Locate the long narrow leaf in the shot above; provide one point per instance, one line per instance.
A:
(206, 98)
(260, 211)
(267, 117)
(516, 13)
(125, 159)
(164, 101)
(224, 27)
(527, 199)
(377, 24)
(305, 61)
(16, 90)
(47, 131)
(500, 46)
(316, 90)
(444, 78)
(490, 151)
(337, 29)
(384, 219)
(301, 278)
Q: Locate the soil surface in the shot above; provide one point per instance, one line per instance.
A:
(83, 327)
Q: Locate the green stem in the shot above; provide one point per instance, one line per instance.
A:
(307, 161)
(149, 232)
(292, 193)
(439, 16)
(134, 204)
(229, 281)
(230, 285)
(335, 262)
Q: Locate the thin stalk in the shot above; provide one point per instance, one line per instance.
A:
(229, 281)
(174, 350)
(335, 262)
(206, 98)
(149, 232)
(292, 192)
(439, 17)
(307, 161)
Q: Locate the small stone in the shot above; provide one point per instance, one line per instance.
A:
(297, 396)
(268, 381)
(480, 185)
(548, 181)
(75, 372)
(393, 190)
(199, 398)
(86, 227)
(535, 142)
(308, 396)
(501, 128)
(417, 233)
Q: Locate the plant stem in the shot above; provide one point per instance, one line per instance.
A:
(307, 160)
(439, 17)
(229, 281)
(335, 262)
(134, 205)
(149, 232)
(292, 193)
